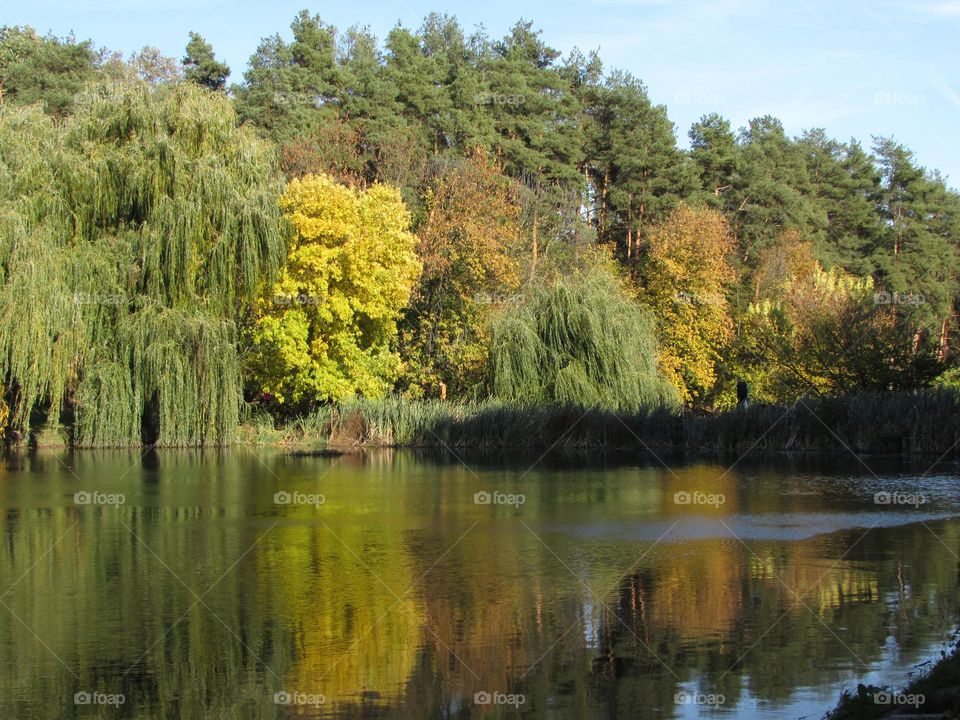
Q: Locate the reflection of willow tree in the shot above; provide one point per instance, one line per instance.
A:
(119, 620)
(103, 600)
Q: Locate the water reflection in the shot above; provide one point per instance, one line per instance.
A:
(399, 596)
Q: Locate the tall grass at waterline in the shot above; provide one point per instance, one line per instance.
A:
(919, 422)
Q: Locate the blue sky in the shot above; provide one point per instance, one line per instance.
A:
(858, 69)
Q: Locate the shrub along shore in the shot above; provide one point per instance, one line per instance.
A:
(934, 694)
(918, 422)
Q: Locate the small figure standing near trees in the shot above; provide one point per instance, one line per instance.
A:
(741, 394)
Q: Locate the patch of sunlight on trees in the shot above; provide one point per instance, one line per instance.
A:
(326, 332)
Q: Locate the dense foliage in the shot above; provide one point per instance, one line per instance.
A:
(580, 341)
(132, 236)
(326, 330)
(455, 201)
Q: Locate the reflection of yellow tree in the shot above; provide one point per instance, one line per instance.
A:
(698, 589)
(698, 593)
(802, 576)
(351, 636)
(484, 616)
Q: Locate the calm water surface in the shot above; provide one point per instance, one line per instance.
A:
(256, 584)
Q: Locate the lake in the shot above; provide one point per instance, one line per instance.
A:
(253, 583)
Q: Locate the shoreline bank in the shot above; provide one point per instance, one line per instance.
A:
(920, 423)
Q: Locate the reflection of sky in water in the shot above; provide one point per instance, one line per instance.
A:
(813, 703)
(805, 702)
(591, 624)
(774, 526)
(601, 552)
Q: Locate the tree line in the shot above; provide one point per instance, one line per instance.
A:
(440, 214)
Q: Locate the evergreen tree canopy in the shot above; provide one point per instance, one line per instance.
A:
(845, 184)
(43, 69)
(772, 191)
(716, 156)
(202, 67)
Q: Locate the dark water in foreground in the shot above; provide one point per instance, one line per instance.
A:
(384, 586)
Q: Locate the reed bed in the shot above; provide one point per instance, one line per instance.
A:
(918, 422)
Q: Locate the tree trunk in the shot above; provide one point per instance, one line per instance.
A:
(944, 339)
(898, 217)
(536, 220)
(641, 215)
(586, 193)
(603, 205)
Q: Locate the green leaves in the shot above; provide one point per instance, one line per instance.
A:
(139, 230)
(582, 342)
(48, 70)
(325, 331)
(201, 66)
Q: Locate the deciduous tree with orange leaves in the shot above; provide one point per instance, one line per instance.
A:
(470, 244)
(685, 276)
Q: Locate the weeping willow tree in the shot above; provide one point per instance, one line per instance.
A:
(581, 341)
(133, 235)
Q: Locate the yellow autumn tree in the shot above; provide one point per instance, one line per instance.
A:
(325, 332)
(686, 272)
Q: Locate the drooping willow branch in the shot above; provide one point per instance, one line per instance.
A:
(132, 236)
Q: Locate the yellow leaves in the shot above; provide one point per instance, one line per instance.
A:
(686, 273)
(470, 243)
(349, 273)
(795, 333)
(322, 212)
(694, 244)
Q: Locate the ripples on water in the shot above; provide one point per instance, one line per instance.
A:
(616, 588)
